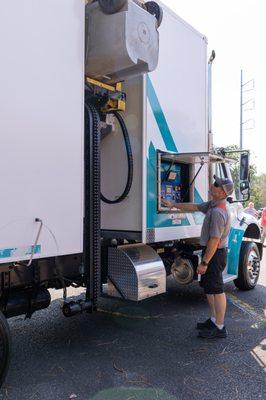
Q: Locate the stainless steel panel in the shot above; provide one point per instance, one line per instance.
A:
(137, 271)
(120, 45)
(150, 235)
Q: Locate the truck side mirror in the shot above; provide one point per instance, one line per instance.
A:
(244, 167)
(245, 188)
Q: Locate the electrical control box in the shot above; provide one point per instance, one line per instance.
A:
(173, 181)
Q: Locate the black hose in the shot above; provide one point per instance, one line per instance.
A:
(92, 217)
(129, 162)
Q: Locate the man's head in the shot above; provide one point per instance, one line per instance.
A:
(251, 205)
(221, 188)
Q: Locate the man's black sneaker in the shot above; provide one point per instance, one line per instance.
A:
(205, 325)
(213, 333)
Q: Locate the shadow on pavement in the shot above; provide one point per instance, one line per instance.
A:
(140, 351)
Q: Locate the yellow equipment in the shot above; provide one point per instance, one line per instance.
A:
(106, 97)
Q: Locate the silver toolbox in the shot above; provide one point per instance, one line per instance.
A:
(135, 272)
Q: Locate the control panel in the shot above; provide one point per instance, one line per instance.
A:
(173, 182)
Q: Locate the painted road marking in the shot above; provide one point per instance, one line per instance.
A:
(246, 308)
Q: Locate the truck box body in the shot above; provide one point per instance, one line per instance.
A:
(42, 134)
(42, 130)
(41, 126)
(166, 111)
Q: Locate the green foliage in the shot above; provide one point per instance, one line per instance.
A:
(258, 193)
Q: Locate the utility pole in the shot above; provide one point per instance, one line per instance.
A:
(248, 86)
(243, 90)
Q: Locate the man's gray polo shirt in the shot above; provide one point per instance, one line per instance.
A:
(217, 222)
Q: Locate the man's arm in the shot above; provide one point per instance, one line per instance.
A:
(211, 248)
(183, 207)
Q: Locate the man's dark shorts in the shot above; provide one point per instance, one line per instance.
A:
(212, 280)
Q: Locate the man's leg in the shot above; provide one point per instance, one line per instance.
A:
(210, 298)
(220, 308)
(219, 330)
(216, 297)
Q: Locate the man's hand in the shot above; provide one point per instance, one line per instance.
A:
(167, 204)
(180, 207)
(201, 270)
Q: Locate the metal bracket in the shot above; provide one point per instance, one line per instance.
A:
(107, 97)
(36, 241)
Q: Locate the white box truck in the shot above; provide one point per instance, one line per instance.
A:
(81, 201)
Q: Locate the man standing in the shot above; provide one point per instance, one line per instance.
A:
(214, 240)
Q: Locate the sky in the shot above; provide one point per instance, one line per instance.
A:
(236, 30)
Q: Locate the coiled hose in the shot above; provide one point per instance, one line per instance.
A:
(129, 162)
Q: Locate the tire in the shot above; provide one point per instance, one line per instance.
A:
(5, 347)
(249, 266)
(153, 8)
(111, 6)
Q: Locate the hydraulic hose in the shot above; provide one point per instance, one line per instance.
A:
(92, 218)
(129, 162)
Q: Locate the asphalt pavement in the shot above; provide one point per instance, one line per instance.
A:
(146, 351)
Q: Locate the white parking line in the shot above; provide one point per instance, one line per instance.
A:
(245, 307)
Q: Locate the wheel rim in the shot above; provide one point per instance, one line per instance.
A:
(183, 273)
(253, 267)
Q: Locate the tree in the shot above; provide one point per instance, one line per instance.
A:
(259, 191)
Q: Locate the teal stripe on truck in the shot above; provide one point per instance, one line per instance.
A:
(160, 117)
(19, 251)
(155, 220)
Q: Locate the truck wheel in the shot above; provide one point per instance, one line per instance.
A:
(111, 6)
(153, 8)
(5, 344)
(249, 266)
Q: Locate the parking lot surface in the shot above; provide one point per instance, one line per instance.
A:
(146, 351)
